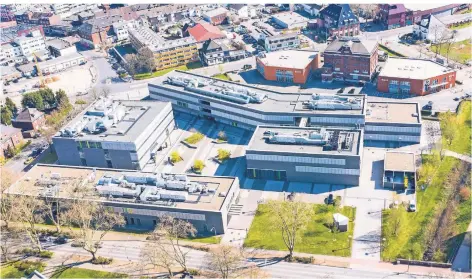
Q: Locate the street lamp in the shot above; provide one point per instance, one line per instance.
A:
(213, 230)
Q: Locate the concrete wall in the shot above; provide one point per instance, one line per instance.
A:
(67, 152)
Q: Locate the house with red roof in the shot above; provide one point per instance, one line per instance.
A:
(204, 32)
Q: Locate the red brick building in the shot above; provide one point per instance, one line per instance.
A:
(291, 66)
(29, 119)
(216, 16)
(339, 20)
(38, 18)
(414, 76)
(350, 59)
(9, 137)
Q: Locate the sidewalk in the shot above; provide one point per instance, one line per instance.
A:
(462, 157)
(462, 261)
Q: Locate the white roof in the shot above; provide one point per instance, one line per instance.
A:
(215, 12)
(290, 18)
(295, 59)
(409, 68)
(340, 219)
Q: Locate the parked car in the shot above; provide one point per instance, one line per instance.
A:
(247, 67)
(456, 99)
(44, 238)
(412, 206)
(61, 240)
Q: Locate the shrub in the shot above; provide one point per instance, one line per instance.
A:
(193, 139)
(28, 252)
(464, 193)
(175, 157)
(102, 260)
(194, 272)
(198, 165)
(29, 267)
(80, 102)
(223, 154)
(45, 254)
(305, 260)
(222, 136)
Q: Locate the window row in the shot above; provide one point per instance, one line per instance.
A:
(296, 159)
(158, 213)
(328, 170)
(400, 138)
(336, 120)
(393, 129)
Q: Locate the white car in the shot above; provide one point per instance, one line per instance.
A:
(412, 206)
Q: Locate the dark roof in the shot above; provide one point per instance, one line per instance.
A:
(351, 44)
(314, 6)
(396, 9)
(236, 7)
(210, 45)
(341, 14)
(28, 115)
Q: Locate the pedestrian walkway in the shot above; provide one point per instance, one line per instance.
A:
(462, 261)
(462, 157)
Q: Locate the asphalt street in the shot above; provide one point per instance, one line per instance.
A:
(130, 251)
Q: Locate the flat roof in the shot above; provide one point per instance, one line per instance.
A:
(155, 42)
(393, 112)
(30, 183)
(295, 59)
(276, 101)
(290, 18)
(136, 118)
(60, 59)
(259, 142)
(399, 161)
(410, 68)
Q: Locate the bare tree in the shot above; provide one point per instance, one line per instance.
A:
(9, 240)
(105, 92)
(94, 221)
(6, 210)
(290, 218)
(29, 212)
(159, 255)
(169, 232)
(448, 43)
(224, 260)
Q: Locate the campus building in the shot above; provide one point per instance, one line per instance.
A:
(315, 155)
(399, 170)
(141, 197)
(248, 106)
(290, 20)
(414, 76)
(393, 122)
(167, 53)
(350, 59)
(115, 134)
(292, 66)
(281, 42)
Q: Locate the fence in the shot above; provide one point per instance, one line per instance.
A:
(424, 263)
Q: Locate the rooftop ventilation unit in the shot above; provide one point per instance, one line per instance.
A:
(329, 102)
(308, 138)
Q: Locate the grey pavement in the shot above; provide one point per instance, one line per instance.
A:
(462, 261)
(462, 157)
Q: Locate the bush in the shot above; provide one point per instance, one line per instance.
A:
(102, 260)
(28, 252)
(464, 193)
(45, 254)
(223, 154)
(175, 157)
(80, 102)
(305, 260)
(29, 267)
(193, 139)
(194, 272)
(198, 165)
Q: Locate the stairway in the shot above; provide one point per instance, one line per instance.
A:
(235, 210)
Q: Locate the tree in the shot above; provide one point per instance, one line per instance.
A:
(94, 221)
(448, 126)
(169, 232)
(224, 260)
(62, 98)
(8, 239)
(396, 221)
(146, 60)
(29, 212)
(425, 173)
(159, 256)
(291, 219)
(32, 100)
(131, 64)
(105, 92)
(6, 203)
(49, 100)
(11, 105)
(55, 210)
(6, 115)
(448, 46)
(198, 165)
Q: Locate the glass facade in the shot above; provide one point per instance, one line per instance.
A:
(267, 174)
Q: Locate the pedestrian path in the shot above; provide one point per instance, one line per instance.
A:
(462, 261)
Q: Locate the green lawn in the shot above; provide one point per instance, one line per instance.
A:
(465, 11)
(316, 239)
(460, 51)
(222, 76)
(390, 52)
(10, 271)
(464, 25)
(189, 66)
(76, 272)
(49, 158)
(462, 142)
(411, 242)
(205, 239)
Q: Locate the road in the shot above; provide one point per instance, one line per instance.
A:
(130, 251)
(16, 164)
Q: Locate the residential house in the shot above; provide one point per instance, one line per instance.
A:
(282, 42)
(339, 20)
(202, 32)
(216, 16)
(10, 137)
(60, 47)
(350, 59)
(37, 18)
(312, 9)
(9, 73)
(431, 28)
(220, 51)
(8, 11)
(29, 119)
(241, 10)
